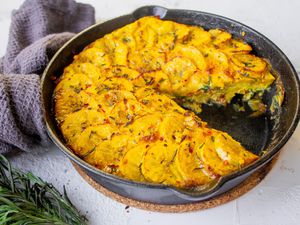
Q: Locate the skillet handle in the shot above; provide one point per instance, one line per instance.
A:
(214, 188)
(202, 193)
(151, 10)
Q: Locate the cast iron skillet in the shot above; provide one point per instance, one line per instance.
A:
(256, 134)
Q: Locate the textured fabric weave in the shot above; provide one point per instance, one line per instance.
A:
(38, 29)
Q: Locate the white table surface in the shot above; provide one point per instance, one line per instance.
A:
(275, 201)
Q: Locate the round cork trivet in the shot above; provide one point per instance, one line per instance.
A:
(228, 196)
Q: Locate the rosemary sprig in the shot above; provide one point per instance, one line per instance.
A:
(27, 199)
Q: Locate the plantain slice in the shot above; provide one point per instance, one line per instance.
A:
(158, 80)
(219, 36)
(120, 54)
(199, 37)
(215, 59)
(71, 102)
(189, 52)
(156, 102)
(172, 126)
(88, 69)
(130, 165)
(211, 161)
(223, 158)
(249, 62)
(95, 56)
(105, 157)
(146, 60)
(109, 99)
(66, 102)
(156, 163)
(145, 127)
(75, 123)
(76, 82)
(232, 151)
(235, 46)
(179, 70)
(190, 166)
(124, 112)
(118, 83)
(92, 137)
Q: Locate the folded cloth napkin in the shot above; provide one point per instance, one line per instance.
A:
(38, 29)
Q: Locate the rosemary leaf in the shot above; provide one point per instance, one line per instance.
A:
(27, 199)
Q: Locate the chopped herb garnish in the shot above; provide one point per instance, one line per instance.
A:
(126, 39)
(248, 64)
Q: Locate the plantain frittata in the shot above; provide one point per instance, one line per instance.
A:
(119, 104)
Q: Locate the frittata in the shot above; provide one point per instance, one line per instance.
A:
(122, 103)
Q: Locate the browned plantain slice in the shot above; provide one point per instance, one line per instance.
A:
(146, 127)
(146, 60)
(199, 37)
(235, 46)
(232, 151)
(157, 159)
(91, 137)
(156, 102)
(190, 166)
(219, 36)
(130, 165)
(118, 83)
(109, 99)
(189, 52)
(172, 126)
(223, 158)
(125, 112)
(249, 62)
(88, 69)
(95, 56)
(179, 70)
(105, 157)
(75, 123)
(120, 54)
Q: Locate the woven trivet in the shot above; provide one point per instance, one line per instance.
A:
(228, 196)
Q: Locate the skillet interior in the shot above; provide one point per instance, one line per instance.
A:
(255, 134)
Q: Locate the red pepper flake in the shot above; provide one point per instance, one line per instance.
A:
(88, 85)
(150, 138)
(106, 121)
(125, 101)
(209, 132)
(85, 105)
(161, 138)
(209, 168)
(210, 70)
(226, 162)
(191, 149)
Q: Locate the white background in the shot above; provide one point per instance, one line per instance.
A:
(275, 201)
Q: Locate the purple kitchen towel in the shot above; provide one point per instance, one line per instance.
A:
(38, 29)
